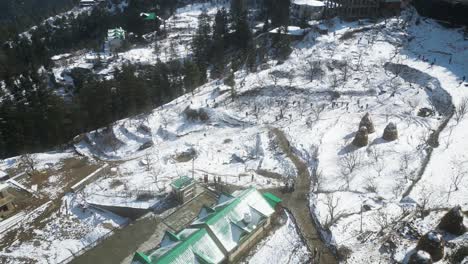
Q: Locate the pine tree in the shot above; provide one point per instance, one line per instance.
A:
(201, 44)
(192, 77)
(242, 37)
(220, 30)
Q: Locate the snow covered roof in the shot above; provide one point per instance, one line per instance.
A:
(196, 246)
(308, 2)
(181, 182)
(115, 33)
(292, 30)
(233, 218)
(3, 186)
(237, 217)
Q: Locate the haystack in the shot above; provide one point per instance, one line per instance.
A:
(452, 222)
(367, 122)
(362, 137)
(390, 132)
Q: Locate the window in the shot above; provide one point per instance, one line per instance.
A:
(4, 208)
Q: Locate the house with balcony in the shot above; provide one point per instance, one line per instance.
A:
(219, 234)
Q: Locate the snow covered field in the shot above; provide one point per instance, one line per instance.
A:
(317, 97)
(365, 196)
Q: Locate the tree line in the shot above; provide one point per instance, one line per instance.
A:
(34, 113)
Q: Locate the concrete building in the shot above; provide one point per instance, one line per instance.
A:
(86, 3)
(6, 201)
(184, 189)
(357, 9)
(219, 234)
(306, 10)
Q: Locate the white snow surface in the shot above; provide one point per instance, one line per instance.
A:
(285, 96)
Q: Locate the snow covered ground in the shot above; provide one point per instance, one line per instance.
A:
(390, 69)
(318, 97)
(283, 246)
(62, 234)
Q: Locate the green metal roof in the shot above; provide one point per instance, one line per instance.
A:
(230, 222)
(148, 16)
(181, 247)
(181, 182)
(272, 199)
(142, 258)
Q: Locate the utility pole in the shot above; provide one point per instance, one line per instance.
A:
(361, 218)
(193, 168)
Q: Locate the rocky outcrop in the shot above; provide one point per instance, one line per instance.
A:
(452, 222)
(433, 243)
(420, 257)
(367, 123)
(196, 114)
(362, 138)
(390, 132)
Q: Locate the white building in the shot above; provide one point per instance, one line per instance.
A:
(307, 9)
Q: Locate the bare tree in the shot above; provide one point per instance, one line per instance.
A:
(405, 161)
(379, 166)
(334, 214)
(371, 185)
(449, 139)
(312, 69)
(334, 82)
(275, 76)
(147, 162)
(458, 174)
(29, 162)
(424, 201)
(461, 110)
(349, 163)
(383, 219)
(316, 111)
(374, 153)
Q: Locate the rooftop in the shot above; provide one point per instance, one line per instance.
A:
(181, 182)
(230, 221)
(309, 2)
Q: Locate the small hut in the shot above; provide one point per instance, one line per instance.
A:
(184, 189)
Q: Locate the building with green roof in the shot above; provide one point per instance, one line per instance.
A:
(219, 234)
(183, 188)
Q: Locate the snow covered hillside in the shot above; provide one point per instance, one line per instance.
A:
(391, 69)
(372, 203)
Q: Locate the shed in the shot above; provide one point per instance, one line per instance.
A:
(184, 188)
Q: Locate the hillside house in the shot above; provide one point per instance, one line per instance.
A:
(87, 3)
(220, 234)
(115, 39)
(6, 201)
(4, 176)
(184, 189)
(306, 10)
(357, 9)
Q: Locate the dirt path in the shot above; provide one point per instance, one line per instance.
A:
(297, 202)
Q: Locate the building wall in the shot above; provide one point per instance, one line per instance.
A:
(306, 12)
(251, 241)
(6, 205)
(355, 9)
